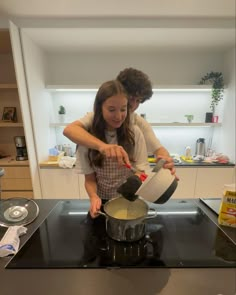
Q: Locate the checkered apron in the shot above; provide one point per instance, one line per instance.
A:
(109, 178)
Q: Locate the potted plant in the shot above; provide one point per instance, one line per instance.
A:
(217, 81)
(189, 118)
(61, 112)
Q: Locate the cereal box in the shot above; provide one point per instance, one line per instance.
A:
(227, 214)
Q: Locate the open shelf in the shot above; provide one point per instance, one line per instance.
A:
(155, 88)
(177, 124)
(159, 124)
(8, 86)
(10, 124)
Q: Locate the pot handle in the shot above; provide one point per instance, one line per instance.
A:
(101, 213)
(153, 214)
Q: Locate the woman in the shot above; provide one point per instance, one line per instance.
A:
(111, 124)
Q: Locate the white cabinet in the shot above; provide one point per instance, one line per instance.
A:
(59, 183)
(186, 184)
(82, 191)
(210, 181)
(200, 182)
(195, 182)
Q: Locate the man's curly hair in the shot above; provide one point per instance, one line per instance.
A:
(136, 83)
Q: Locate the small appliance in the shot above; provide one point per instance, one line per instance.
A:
(21, 150)
(200, 147)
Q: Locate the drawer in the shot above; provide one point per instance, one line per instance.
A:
(11, 184)
(16, 172)
(17, 194)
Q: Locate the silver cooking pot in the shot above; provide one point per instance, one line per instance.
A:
(125, 220)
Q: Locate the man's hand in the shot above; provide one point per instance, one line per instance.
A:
(169, 164)
(115, 152)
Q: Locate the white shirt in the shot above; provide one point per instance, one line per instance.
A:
(152, 143)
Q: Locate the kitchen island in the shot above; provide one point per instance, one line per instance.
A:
(116, 280)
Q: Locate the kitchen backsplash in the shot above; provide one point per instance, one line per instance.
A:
(163, 107)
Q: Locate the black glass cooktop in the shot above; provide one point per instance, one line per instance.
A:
(181, 236)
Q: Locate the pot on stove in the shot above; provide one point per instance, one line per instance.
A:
(125, 220)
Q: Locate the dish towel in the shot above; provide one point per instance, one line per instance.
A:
(67, 162)
(10, 242)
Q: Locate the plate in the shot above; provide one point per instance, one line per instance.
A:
(17, 211)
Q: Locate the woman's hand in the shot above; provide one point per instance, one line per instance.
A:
(115, 152)
(95, 205)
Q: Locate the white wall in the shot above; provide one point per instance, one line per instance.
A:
(40, 101)
(25, 107)
(227, 136)
(162, 67)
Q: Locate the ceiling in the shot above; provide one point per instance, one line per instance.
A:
(150, 25)
(78, 8)
(132, 39)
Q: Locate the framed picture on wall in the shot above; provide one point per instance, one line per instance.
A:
(9, 114)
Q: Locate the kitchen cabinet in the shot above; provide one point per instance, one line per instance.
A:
(17, 179)
(195, 182)
(203, 182)
(59, 183)
(8, 97)
(186, 184)
(62, 183)
(16, 182)
(82, 191)
(210, 181)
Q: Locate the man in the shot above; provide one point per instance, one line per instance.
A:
(139, 89)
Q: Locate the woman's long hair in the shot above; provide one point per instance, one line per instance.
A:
(125, 136)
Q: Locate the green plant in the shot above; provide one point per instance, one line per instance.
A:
(217, 81)
(62, 110)
(189, 118)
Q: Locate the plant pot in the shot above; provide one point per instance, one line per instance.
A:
(208, 118)
(61, 118)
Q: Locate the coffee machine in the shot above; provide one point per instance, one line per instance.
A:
(21, 150)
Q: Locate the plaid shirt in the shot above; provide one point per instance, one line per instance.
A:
(109, 178)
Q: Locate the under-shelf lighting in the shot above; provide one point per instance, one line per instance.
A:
(159, 88)
(72, 88)
(181, 89)
(75, 90)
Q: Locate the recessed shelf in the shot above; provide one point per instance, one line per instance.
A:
(159, 124)
(10, 124)
(155, 88)
(185, 124)
(8, 86)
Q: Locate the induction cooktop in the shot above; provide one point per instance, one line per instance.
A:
(180, 236)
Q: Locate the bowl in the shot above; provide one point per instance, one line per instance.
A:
(17, 211)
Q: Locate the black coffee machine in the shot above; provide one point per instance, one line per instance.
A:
(21, 150)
